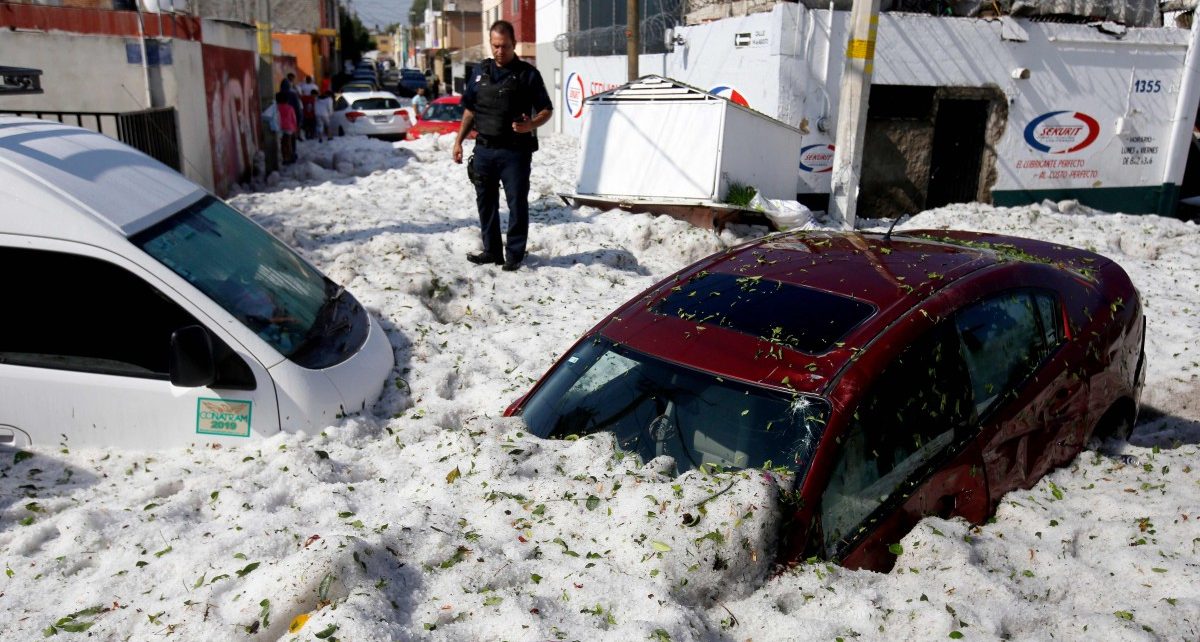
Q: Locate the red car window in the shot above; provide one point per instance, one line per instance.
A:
(910, 416)
(802, 318)
(1003, 343)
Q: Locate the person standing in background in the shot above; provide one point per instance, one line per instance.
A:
(289, 89)
(420, 102)
(308, 120)
(308, 87)
(287, 127)
(324, 115)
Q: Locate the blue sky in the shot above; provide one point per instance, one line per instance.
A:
(381, 12)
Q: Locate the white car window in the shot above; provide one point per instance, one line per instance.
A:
(376, 103)
(89, 315)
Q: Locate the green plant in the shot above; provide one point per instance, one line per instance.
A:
(739, 194)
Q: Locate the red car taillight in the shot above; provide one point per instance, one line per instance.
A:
(354, 115)
(400, 112)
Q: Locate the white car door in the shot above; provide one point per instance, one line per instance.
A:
(85, 346)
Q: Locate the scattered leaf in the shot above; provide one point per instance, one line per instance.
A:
(298, 623)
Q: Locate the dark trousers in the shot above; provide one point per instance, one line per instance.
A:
(494, 166)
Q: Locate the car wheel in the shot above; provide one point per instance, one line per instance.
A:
(341, 132)
(1117, 423)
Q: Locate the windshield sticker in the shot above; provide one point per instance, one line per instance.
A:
(225, 417)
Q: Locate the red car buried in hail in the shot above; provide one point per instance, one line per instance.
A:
(893, 377)
(442, 116)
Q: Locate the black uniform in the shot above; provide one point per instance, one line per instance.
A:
(500, 96)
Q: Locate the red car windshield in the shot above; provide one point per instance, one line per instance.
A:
(656, 408)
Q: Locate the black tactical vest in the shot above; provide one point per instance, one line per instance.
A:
(499, 104)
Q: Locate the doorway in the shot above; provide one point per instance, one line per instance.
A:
(957, 151)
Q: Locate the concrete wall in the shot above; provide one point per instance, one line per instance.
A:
(709, 60)
(300, 15)
(550, 21)
(231, 61)
(184, 88)
(108, 82)
(1095, 111)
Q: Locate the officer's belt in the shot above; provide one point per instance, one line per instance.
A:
(503, 142)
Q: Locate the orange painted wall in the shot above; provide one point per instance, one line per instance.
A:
(300, 46)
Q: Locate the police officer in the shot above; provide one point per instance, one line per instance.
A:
(505, 102)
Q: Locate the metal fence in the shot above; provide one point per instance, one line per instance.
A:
(154, 132)
(597, 27)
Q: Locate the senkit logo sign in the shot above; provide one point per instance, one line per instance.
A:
(573, 95)
(817, 159)
(729, 93)
(1062, 132)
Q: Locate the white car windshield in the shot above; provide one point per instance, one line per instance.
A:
(254, 277)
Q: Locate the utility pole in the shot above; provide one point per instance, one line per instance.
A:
(1181, 123)
(852, 110)
(633, 37)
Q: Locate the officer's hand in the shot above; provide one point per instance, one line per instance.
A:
(457, 152)
(522, 126)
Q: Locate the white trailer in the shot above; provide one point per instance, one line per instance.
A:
(659, 140)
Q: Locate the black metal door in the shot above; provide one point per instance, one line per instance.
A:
(958, 139)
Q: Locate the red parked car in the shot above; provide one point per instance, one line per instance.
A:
(442, 116)
(890, 377)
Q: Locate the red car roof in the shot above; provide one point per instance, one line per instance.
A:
(891, 275)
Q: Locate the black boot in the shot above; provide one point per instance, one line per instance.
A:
(483, 258)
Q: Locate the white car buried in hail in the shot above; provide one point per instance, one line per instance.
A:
(377, 113)
(140, 311)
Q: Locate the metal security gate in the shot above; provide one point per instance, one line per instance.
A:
(154, 132)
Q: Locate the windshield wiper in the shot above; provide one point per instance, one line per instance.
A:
(321, 327)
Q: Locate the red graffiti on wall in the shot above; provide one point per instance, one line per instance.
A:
(231, 89)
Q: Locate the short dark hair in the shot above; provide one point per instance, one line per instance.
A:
(504, 28)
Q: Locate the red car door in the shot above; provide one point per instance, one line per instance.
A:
(1032, 406)
(909, 450)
